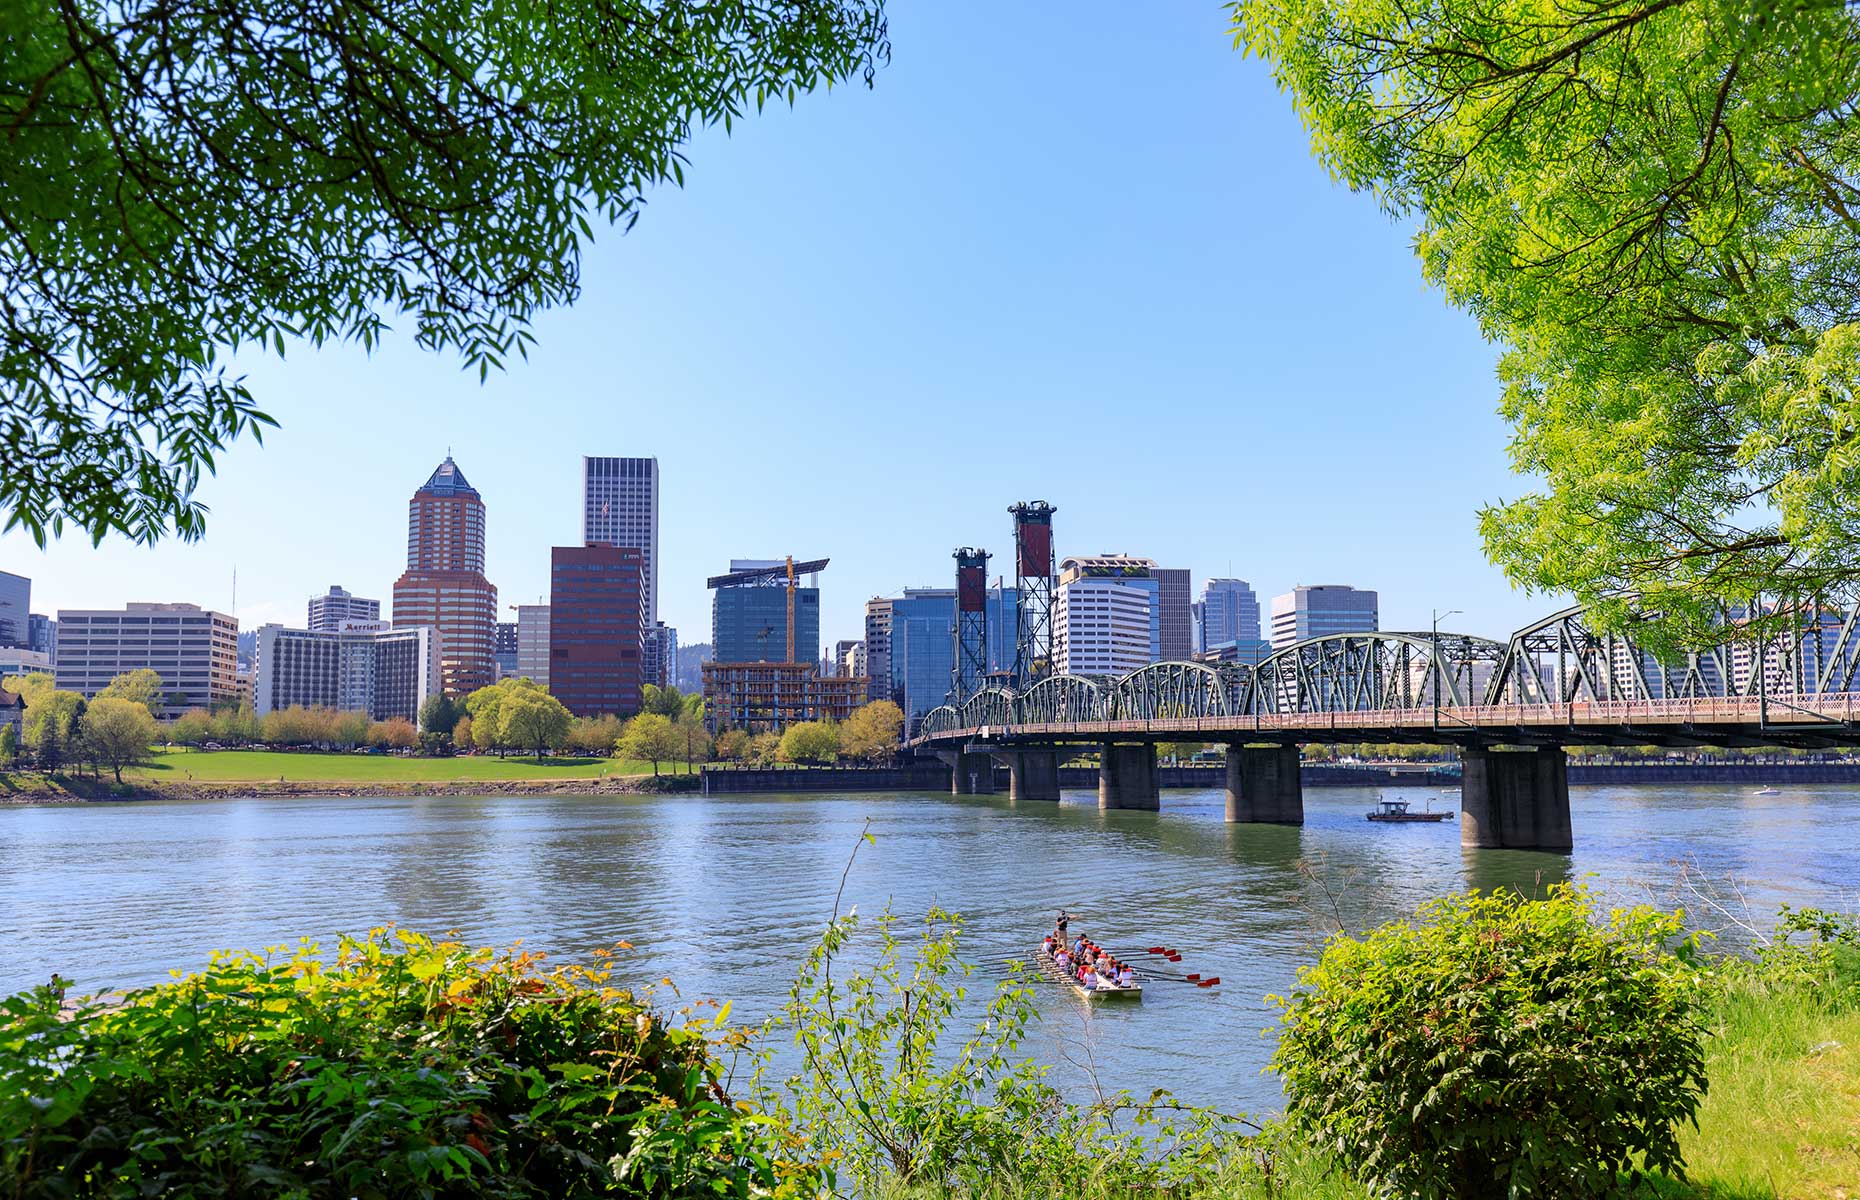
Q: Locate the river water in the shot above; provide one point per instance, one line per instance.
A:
(720, 894)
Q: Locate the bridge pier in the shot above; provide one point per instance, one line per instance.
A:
(970, 774)
(1032, 774)
(1127, 778)
(1515, 799)
(1263, 785)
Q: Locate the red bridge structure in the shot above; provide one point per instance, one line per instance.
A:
(1510, 707)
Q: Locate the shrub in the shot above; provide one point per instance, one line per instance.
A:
(1498, 1047)
(404, 1068)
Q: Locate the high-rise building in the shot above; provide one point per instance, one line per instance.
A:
(759, 696)
(661, 655)
(1321, 610)
(1174, 617)
(750, 612)
(597, 612)
(1228, 611)
(533, 642)
(620, 507)
(367, 666)
(336, 607)
(1107, 616)
(194, 650)
(849, 657)
(444, 588)
(922, 650)
(15, 611)
(504, 648)
(878, 647)
(43, 635)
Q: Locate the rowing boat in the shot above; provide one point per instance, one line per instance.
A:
(1104, 990)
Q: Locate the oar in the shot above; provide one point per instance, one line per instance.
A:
(1200, 983)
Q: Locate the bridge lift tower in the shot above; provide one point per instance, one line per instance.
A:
(969, 668)
(1034, 579)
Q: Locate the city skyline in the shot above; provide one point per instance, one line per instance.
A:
(1231, 318)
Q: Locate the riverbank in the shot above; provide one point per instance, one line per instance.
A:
(196, 774)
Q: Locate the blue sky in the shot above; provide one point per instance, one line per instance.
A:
(1080, 254)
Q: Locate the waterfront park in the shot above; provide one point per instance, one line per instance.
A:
(1367, 916)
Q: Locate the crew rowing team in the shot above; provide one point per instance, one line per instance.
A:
(1087, 964)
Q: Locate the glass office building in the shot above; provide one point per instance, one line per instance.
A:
(749, 623)
(923, 648)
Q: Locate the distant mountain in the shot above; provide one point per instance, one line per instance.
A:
(690, 675)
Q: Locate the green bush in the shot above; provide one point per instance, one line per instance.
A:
(1500, 1047)
(404, 1068)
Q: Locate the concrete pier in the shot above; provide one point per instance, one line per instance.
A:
(1263, 785)
(1515, 800)
(971, 775)
(1032, 774)
(1127, 778)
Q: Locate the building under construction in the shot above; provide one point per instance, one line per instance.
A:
(765, 631)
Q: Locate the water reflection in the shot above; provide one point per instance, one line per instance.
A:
(721, 894)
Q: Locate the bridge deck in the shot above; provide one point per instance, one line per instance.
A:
(1808, 720)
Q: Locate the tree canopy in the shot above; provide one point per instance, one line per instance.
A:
(872, 732)
(140, 686)
(1655, 208)
(117, 732)
(809, 742)
(184, 179)
(651, 737)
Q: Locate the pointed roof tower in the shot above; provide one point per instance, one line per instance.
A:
(448, 480)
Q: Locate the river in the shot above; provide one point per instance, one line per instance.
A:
(720, 894)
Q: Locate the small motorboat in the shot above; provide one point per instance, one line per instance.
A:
(1765, 791)
(1104, 989)
(1398, 810)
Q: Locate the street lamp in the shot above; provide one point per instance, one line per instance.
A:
(1435, 639)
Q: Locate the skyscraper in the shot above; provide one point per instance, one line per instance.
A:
(1321, 610)
(1174, 618)
(444, 586)
(332, 608)
(504, 648)
(1108, 617)
(750, 609)
(15, 610)
(878, 648)
(533, 642)
(620, 507)
(596, 635)
(1228, 611)
(661, 654)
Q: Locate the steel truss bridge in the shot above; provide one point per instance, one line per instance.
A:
(1555, 683)
(1511, 708)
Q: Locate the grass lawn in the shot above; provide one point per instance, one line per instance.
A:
(268, 766)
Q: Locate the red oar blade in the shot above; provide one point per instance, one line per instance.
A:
(1196, 975)
(1154, 950)
(1173, 957)
(1209, 982)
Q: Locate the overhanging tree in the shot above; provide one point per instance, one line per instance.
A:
(183, 178)
(1655, 207)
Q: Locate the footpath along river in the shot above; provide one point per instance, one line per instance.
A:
(722, 894)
